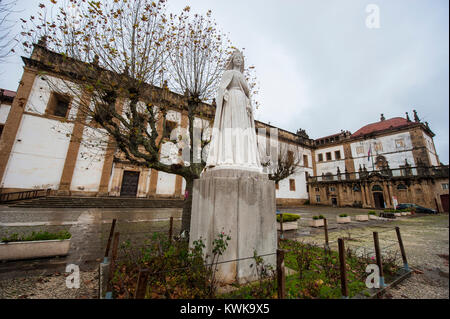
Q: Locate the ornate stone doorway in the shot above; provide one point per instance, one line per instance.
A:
(130, 183)
(378, 199)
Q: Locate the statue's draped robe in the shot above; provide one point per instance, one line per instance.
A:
(233, 142)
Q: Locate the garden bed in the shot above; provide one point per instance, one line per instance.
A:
(37, 245)
(317, 275)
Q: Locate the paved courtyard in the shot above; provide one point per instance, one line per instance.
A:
(426, 240)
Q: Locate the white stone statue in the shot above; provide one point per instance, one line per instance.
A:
(233, 142)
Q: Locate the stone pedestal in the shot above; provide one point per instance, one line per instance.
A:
(240, 203)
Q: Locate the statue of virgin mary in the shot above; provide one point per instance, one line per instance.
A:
(233, 141)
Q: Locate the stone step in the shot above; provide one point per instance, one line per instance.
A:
(96, 202)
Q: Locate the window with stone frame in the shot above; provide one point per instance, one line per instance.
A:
(290, 156)
(360, 150)
(445, 186)
(317, 189)
(320, 157)
(305, 161)
(378, 147)
(318, 198)
(170, 126)
(328, 155)
(332, 189)
(402, 187)
(58, 105)
(292, 185)
(400, 143)
(337, 155)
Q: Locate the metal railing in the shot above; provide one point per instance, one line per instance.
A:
(15, 196)
(433, 171)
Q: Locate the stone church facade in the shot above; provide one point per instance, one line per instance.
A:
(45, 145)
(392, 160)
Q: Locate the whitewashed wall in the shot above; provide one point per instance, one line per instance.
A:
(41, 90)
(330, 166)
(38, 155)
(394, 154)
(169, 153)
(90, 159)
(4, 111)
(431, 150)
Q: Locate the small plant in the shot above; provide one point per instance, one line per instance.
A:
(343, 215)
(35, 236)
(288, 217)
(372, 212)
(321, 217)
(318, 217)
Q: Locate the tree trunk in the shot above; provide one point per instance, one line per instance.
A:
(187, 207)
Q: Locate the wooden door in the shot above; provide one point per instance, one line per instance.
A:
(130, 183)
(444, 202)
(378, 199)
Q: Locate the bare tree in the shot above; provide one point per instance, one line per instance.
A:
(134, 52)
(7, 42)
(288, 164)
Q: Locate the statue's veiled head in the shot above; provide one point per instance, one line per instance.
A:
(236, 59)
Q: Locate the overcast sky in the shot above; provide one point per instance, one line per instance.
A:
(322, 69)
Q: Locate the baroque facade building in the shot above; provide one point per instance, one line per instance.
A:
(46, 144)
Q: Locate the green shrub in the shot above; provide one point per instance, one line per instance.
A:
(321, 217)
(42, 235)
(372, 212)
(343, 215)
(288, 217)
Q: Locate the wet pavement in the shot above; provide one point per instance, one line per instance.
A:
(90, 230)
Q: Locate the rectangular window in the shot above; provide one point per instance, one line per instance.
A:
(317, 189)
(318, 198)
(360, 150)
(58, 105)
(292, 185)
(290, 157)
(305, 161)
(445, 186)
(337, 155)
(328, 156)
(378, 147)
(320, 157)
(400, 143)
(170, 126)
(332, 189)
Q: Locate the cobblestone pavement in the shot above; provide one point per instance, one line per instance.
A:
(45, 278)
(426, 240)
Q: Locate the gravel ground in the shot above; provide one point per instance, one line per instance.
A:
(51, 286)
(425, 238)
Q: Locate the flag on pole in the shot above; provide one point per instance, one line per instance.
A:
(368, 154)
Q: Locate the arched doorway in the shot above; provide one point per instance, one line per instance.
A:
(378, 198)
